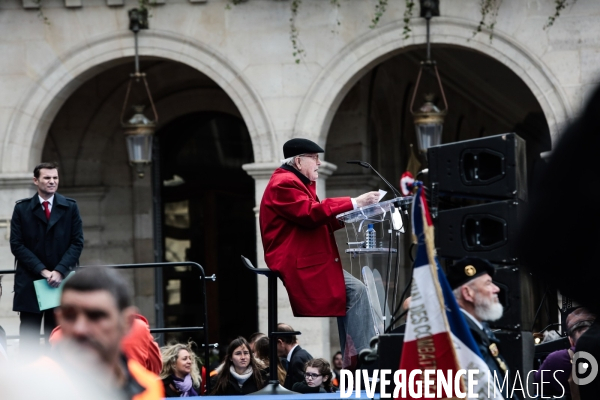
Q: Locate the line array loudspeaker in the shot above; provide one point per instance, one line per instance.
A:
(487, 230)
(517, 298)
(492, 167)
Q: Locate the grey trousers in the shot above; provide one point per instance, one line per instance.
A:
(357, 328)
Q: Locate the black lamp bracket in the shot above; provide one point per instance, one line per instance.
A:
(430, 8)
(138, 19)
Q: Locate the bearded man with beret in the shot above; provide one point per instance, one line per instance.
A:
(297, 234)
(471, 281)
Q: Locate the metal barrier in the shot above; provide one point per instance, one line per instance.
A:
(203, 279)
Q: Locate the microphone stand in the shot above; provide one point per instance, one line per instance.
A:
(367, 165)
(397, 204)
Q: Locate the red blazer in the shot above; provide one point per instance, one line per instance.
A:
(297, 235)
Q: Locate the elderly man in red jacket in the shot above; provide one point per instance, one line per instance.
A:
(297, 234)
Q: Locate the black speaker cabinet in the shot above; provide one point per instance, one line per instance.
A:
(492, 167)
(390, 350)
(518, 350)
(517, 298)
(487, 230)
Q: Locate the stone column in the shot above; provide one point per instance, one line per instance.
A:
(315, 336)
(13, 187)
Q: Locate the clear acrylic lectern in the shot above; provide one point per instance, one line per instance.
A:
(373, 244)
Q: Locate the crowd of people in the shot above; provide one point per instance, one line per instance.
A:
(104, 346)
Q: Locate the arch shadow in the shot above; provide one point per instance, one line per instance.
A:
(359, 57)
(29, 124)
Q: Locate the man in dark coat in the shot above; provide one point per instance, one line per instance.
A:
(471, 281)
(46, 238)
(288, 348)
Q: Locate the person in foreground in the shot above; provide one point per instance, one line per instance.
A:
(317, 375)
(297, 234)
(138, 344)
(95, 314)
(561, 248)
(240, 373)
(180, 373)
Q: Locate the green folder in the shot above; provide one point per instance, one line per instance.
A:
(47, 296)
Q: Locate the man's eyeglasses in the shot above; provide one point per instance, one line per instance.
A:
(308, 375)
(313, 156)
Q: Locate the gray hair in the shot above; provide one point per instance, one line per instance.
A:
(289, 161)
(457, 293)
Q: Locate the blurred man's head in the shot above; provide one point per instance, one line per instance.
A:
(96, 311)
(578, 321)
(285, 343)
(254, 338)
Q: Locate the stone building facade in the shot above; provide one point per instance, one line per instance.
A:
(229, 93)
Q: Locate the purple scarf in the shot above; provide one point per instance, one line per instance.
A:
(184, 386)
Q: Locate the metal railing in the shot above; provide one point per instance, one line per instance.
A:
(161, 329)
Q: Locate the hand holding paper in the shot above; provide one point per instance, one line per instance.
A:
(48, 296)
(367, 199)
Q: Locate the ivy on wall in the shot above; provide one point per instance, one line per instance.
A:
(489, 10)
(559, 6)
(41, 14)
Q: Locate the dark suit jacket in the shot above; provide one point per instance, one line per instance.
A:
(39, 244)
(295, 372)
(484, 341)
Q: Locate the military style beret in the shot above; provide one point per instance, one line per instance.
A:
(295, 147)
(466, 269)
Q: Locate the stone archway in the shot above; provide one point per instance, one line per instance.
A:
(359, 57)
(29, 124)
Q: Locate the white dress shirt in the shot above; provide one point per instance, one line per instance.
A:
(50, 201)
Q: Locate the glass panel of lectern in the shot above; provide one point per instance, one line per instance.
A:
(373, 244)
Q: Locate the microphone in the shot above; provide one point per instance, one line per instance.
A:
(367, 165)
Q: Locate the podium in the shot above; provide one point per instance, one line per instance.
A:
(378, 259)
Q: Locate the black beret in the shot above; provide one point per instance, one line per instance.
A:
(295, 147)
(466, 269)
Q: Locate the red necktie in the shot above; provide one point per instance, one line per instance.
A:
(46, 204)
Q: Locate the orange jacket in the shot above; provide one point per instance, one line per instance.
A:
(149, 380)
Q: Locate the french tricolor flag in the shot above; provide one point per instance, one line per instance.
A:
(437, 336)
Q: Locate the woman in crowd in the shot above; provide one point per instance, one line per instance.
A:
(261, 353)
(240, 373)
(180, 373)
(337, 363)
(317, 375)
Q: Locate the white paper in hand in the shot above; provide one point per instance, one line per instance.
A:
(381, 194)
